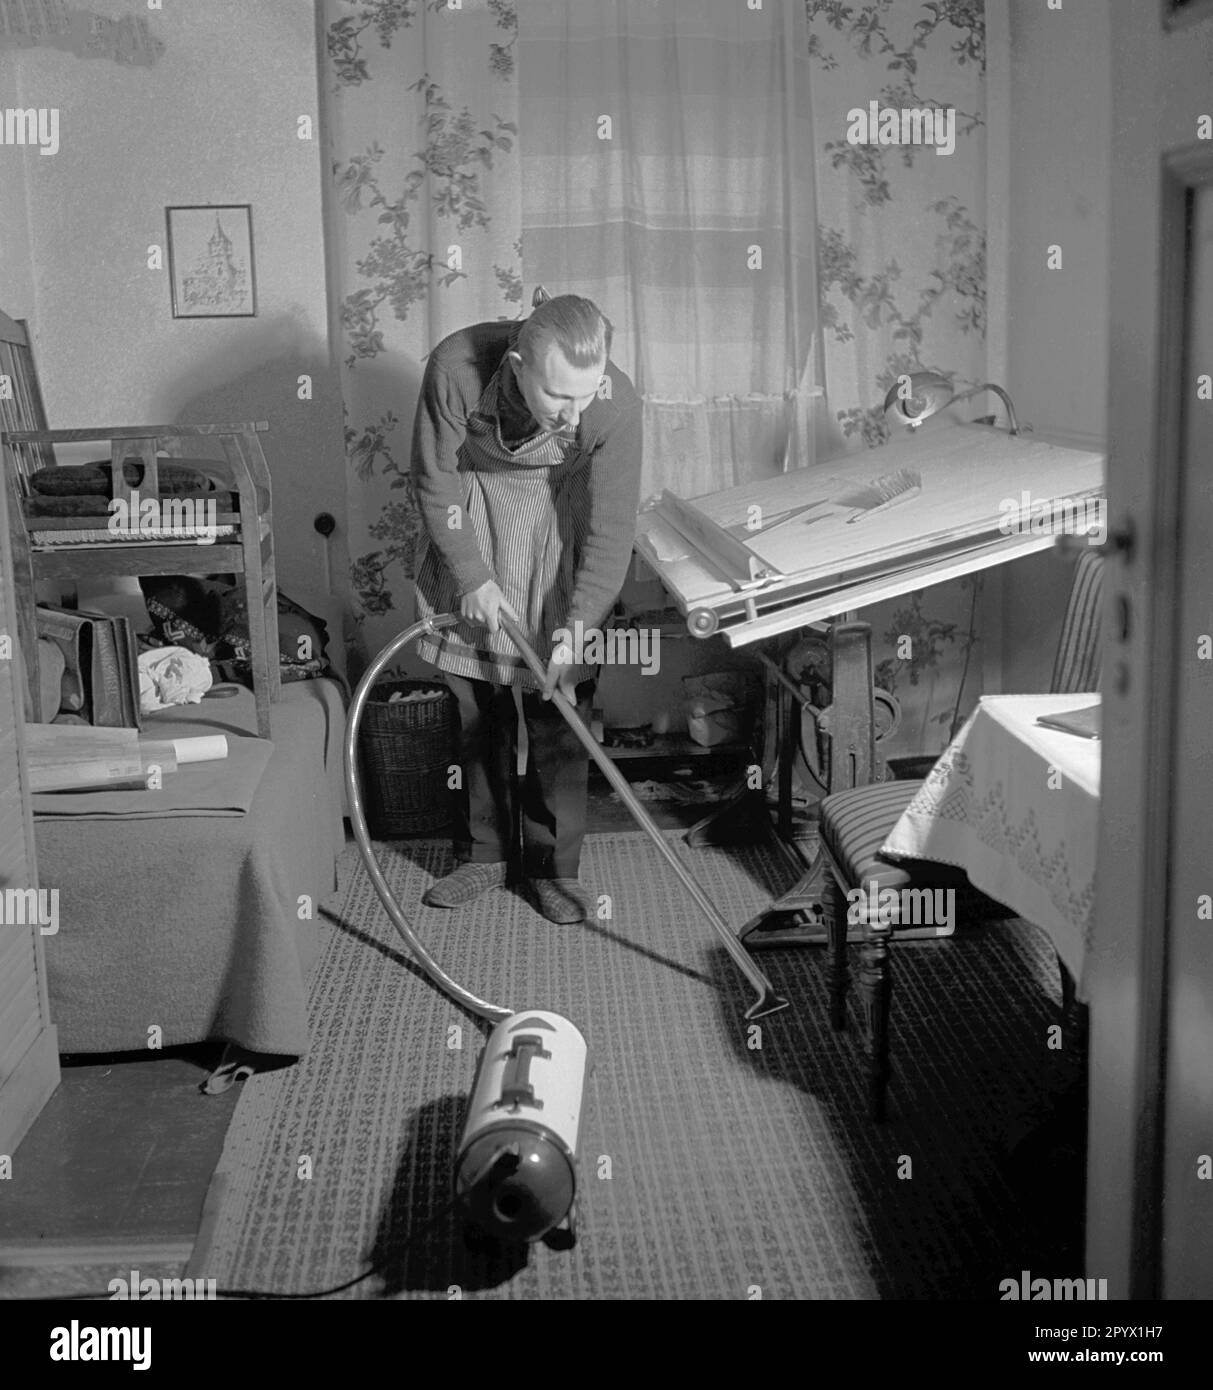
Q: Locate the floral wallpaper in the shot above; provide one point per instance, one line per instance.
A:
(902, 276)
(426, 223)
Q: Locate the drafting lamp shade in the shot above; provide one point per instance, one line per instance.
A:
(930, 392)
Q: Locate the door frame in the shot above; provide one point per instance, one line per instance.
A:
(1162, 164)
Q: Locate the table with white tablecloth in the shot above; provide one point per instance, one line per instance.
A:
(1016, 806)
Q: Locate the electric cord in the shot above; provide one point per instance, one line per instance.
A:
(508, 1152)
(253, 1295)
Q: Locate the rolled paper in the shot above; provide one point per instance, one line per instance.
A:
(202, 749)
(161, 758)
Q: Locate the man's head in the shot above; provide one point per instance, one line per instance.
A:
(560, 361)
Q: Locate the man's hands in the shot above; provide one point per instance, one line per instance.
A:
(560, 673)
(484, 604)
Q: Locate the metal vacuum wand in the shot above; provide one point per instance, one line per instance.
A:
(768, 1001)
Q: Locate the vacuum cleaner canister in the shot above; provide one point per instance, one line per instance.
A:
(516, 1173)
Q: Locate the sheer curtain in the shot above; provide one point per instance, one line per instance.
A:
(667, 173)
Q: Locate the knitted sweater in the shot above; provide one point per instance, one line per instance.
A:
(609, 433)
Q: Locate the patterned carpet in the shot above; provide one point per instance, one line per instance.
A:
(710, 1167)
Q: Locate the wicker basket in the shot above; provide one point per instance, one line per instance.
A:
(405, 749)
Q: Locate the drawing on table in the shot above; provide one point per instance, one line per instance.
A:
(851, 504)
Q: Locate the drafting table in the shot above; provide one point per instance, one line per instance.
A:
(776, 557)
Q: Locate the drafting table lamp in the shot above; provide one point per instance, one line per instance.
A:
(931, 392)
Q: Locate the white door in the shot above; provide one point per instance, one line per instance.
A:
(1148, 1229)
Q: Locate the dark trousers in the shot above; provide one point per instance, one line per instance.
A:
(488, 811)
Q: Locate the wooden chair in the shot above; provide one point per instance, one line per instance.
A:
(47, 548)
(855, 823)
(79, 551)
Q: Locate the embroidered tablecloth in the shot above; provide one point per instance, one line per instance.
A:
(1016, 805)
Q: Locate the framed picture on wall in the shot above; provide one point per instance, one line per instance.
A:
(210, 261)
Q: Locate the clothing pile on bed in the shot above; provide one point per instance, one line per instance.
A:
(210, 618)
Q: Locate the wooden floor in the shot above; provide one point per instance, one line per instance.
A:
(125, 1148)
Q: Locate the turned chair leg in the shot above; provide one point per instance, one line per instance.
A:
(834, 905)
(1075, 1017)
(875, 985)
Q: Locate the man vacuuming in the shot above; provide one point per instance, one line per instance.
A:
(526, 462)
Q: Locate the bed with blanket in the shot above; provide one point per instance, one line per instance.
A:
(192, 909)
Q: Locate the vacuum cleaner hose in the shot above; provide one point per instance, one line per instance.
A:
(494, 1013)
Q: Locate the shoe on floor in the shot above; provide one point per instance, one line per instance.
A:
(465, 885)
(561, 900)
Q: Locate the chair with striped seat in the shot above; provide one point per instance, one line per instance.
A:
(855, 823)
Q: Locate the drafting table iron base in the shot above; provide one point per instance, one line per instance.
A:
(797, 917)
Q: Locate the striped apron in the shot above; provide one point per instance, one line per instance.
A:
(529, 509)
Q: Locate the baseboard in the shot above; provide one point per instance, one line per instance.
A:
(118, 1254)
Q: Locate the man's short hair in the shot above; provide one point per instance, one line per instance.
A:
(577, 326)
